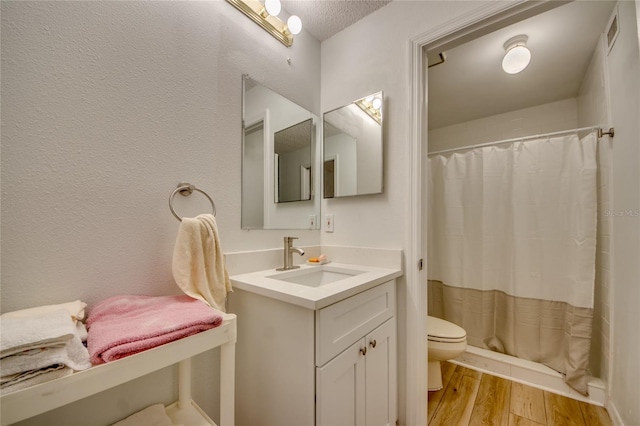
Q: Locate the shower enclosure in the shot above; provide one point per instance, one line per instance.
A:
(512, 247)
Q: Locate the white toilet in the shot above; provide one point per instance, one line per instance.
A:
(445, 341)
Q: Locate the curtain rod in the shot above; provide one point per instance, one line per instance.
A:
(524, 138)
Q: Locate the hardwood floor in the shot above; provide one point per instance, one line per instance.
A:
(473, 398)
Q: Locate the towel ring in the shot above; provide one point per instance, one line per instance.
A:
(185, 189)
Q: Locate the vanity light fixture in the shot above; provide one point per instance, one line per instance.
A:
(265, 15)
(372, 105)
(518, 56)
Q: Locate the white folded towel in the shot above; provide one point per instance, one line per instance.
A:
(76, 310)
(74, 355)
(30, 378)
(198, 261)
(41, 330)
(33, 348)
(154, 415)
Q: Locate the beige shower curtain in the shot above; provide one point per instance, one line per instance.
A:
(511, 250)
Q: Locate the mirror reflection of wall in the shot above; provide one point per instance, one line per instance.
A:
(252, 176)
(353, 148)
(280, 182)
(292, 147)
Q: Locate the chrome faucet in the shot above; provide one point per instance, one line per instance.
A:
(288, 254)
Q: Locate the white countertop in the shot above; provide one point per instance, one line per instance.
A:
(314, 297)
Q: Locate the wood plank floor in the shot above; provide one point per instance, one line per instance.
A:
(473, 398)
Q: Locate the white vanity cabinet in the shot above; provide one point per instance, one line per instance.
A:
(356, 359)
(335, 365)
(358, 386)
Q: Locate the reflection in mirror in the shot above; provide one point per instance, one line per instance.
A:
(352, 160)
(280, 182)
(292, 147)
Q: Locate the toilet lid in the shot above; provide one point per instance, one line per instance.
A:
(440, 330)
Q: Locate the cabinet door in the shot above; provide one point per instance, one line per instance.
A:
(381, 375)
(340, 387)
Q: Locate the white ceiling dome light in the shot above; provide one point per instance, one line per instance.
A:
(518, 56)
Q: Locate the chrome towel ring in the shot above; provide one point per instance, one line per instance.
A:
(185, 189)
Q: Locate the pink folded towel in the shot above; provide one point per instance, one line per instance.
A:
(125, 325)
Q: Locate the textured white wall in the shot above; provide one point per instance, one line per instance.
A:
(546, 118)
(106, 106)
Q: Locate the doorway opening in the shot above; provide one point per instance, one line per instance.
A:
(478, 24)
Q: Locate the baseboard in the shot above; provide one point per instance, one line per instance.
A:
(529, 373)
(614, 414)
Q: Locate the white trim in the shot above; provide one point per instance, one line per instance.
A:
(276, 177)
(530, 373)
(610, 294)
(416, 294)
(614, 414)
(269, 171)
(305, 182)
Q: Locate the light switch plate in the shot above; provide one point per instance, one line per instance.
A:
(328, 223)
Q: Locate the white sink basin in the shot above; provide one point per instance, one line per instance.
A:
(314, 287)
(316, 276)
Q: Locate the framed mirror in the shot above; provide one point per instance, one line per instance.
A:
(280, 177)
(352, 155)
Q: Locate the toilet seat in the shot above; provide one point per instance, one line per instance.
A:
(443, 331)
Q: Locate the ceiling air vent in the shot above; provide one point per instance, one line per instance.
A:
(612, 29)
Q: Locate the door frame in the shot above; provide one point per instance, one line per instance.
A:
(482, 20)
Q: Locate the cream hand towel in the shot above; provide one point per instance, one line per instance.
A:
(198, 261)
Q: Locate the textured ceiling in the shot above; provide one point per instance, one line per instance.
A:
(324, 18)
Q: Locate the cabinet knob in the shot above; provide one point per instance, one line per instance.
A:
(363, 351)
(373, 343)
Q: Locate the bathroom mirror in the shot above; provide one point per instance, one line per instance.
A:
(280, 177)
(352, 157)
